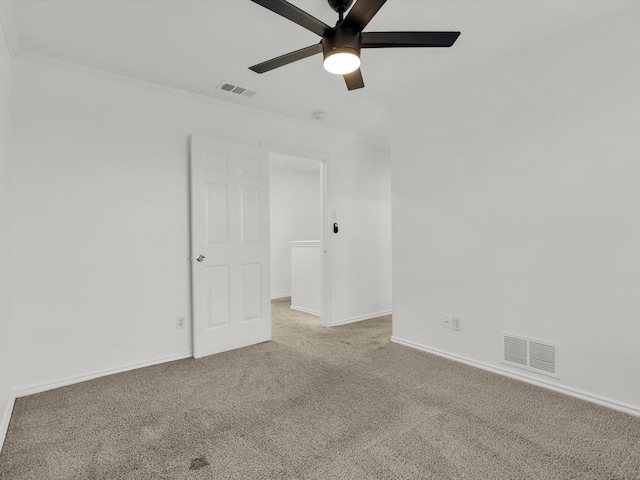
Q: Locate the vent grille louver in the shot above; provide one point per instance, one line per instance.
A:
(515, 350)
(542, 357)
(535, 355)
(229, 88)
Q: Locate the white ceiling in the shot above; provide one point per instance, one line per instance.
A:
(196, 45)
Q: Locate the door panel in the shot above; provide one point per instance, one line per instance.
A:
(217, 213)
(218, 290)
(230, 229)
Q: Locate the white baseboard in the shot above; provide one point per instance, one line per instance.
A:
(282, 295)
(572, 392)
(6, 418)
(305, 310)
(24, 391)
(360, 318)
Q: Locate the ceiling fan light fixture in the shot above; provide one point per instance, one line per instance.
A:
(342, 62)
(341, 51)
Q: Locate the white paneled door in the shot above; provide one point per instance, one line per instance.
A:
(229, 245)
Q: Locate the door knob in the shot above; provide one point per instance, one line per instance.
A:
(200, 258)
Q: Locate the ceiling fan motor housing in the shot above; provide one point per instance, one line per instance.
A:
(340, 6)
(341, 40)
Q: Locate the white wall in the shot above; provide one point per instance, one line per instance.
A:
(296, 214)
(5, 318)
(516, 206)
(101, 218)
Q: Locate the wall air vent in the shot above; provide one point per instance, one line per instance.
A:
(535, 355)
(230, 88)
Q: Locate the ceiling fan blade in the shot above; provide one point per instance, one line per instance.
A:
(354, 80)
(287, 58)
(361, 14)
(408, 39)
(293, 13)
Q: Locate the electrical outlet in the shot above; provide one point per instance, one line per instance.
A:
(180, 322)
(446, 321)
(456, 323)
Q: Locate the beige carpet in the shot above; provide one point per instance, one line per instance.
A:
(315, 403)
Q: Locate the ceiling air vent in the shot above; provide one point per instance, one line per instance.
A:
(229, 88)
(535, 355)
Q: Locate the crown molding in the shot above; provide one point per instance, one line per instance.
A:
(176, 92)
(16, 52)
(8, 24)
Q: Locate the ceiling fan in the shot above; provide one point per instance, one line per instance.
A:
(341, 44)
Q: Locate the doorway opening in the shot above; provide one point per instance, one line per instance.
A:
(298, 246)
